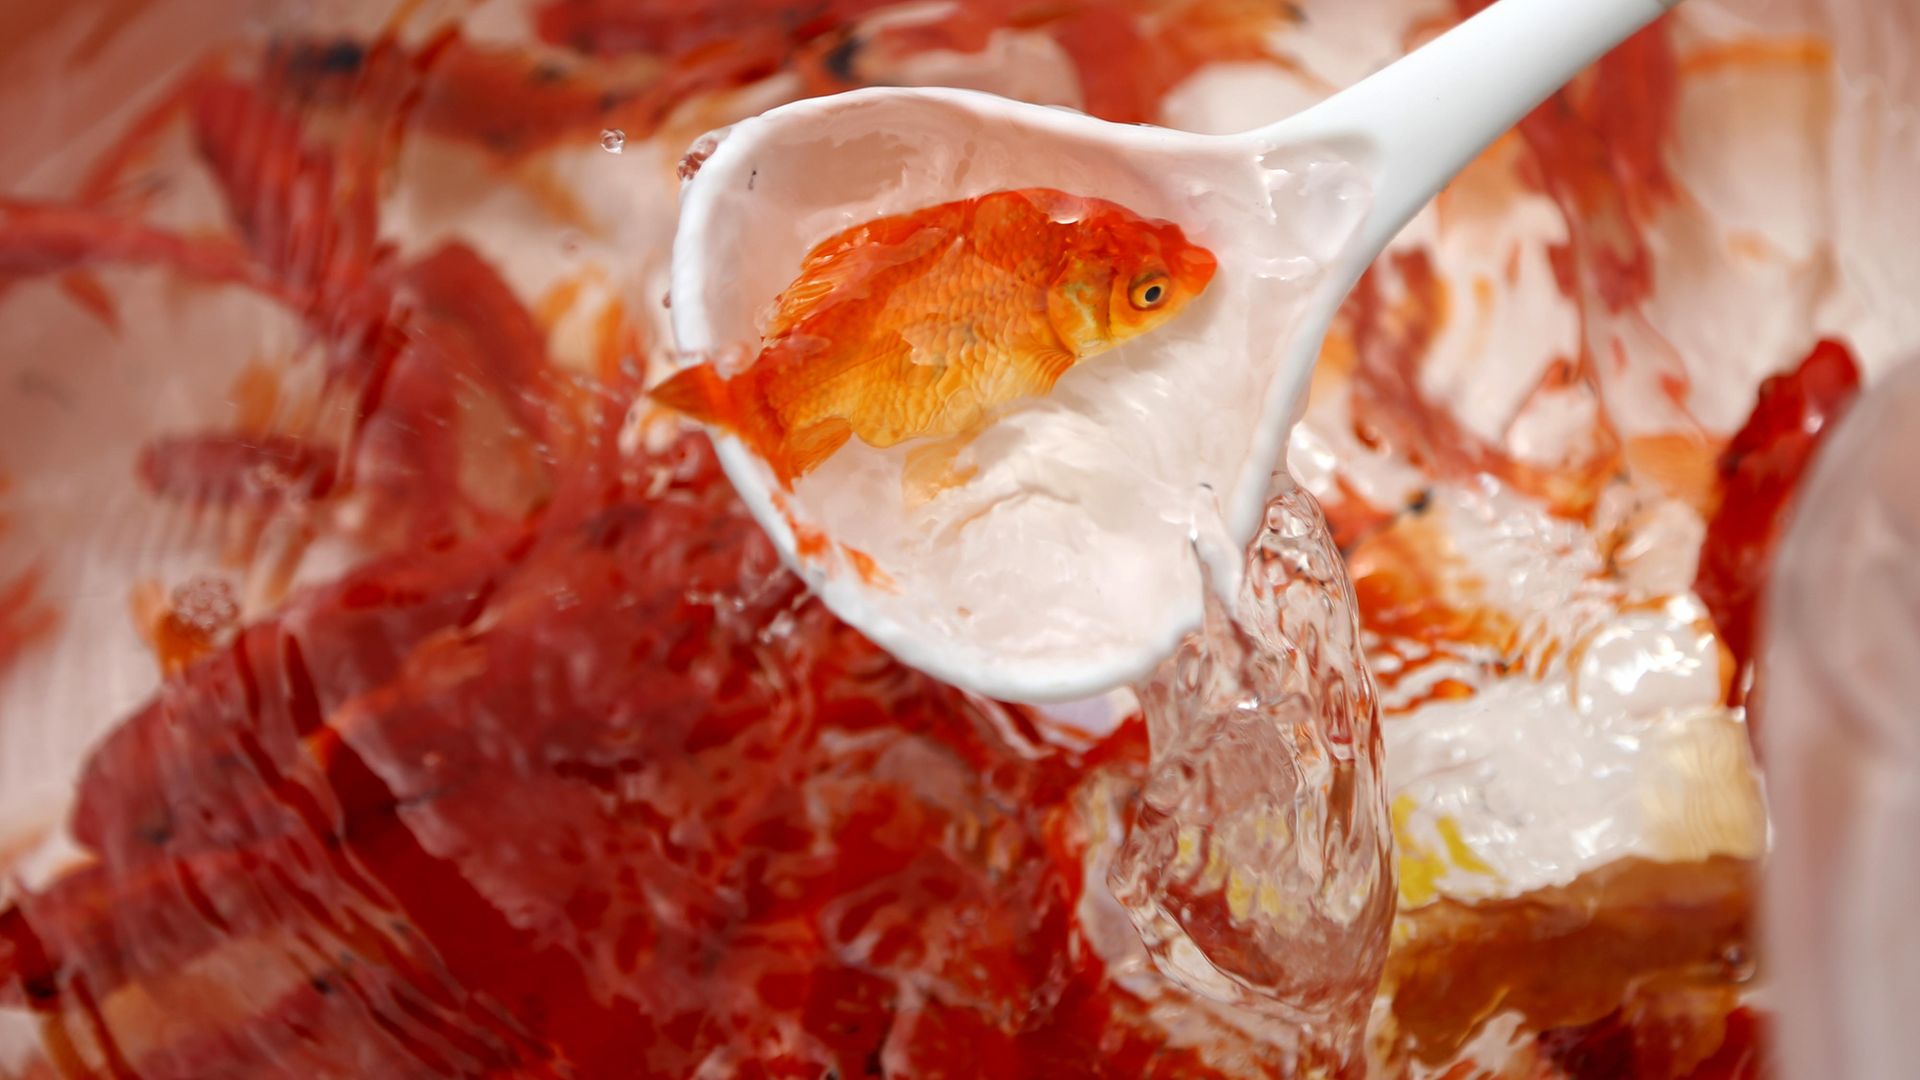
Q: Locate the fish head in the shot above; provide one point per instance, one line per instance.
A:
(1127, 277)
(1157, 272)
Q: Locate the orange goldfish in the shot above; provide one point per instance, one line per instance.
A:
(923, 324)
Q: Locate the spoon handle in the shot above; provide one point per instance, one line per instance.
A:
(1428, 115)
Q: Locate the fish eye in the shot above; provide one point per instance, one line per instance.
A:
(1149, 290)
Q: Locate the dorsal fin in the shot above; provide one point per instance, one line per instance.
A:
(842, 264)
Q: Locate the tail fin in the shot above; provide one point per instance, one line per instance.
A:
(699, 393)
(739, 407)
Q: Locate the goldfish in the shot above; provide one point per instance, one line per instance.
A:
(924, 324)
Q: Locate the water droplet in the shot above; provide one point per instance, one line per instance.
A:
(613, 140)
(1737, 963)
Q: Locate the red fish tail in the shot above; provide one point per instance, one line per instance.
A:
(734, 405)
(699, 393)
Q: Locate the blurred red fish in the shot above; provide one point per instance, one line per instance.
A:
(923, 324)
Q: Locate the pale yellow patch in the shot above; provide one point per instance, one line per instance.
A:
(1422, 867)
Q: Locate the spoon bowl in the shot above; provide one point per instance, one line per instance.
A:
(1067, 564)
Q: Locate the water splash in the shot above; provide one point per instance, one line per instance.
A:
(1258, 867)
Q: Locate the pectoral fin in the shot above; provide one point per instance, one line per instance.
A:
(1048, 363)
(804, 449)
(933, 468)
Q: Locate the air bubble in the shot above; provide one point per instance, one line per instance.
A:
(613, 140)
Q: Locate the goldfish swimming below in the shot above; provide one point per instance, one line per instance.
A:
(922, 324)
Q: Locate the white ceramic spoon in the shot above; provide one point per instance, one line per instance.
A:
(1067, 566)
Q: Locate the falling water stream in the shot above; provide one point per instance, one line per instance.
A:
(1258, 868)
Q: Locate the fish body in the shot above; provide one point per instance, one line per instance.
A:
(923, 324)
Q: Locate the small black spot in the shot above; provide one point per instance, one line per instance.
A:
(751, 177)
(320, 985)
(1419, 503)
(339, 58)
(547, 73)
(156, 832)
(41, 384)
(41, 988)
(839, 59)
